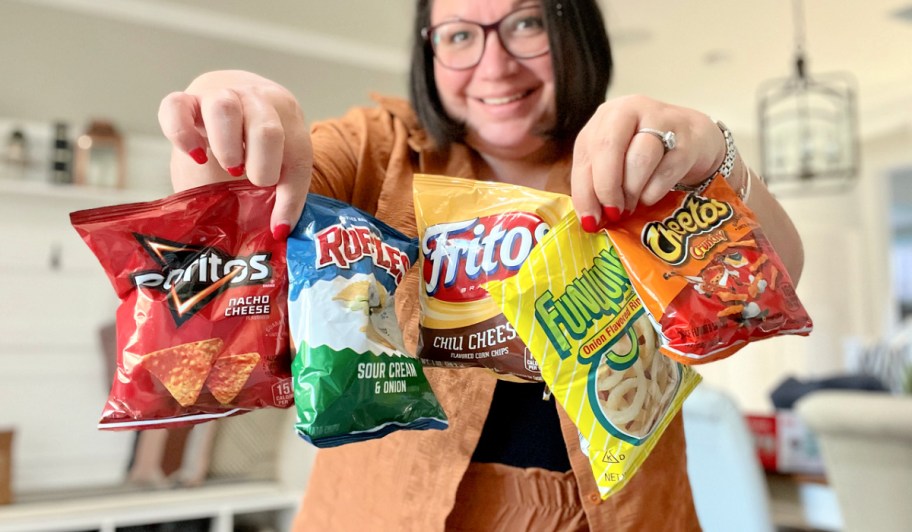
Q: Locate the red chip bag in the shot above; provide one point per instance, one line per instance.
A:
(202, 328)
(707, 274)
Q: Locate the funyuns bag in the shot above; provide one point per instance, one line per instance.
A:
(202, 331)
(572, 304)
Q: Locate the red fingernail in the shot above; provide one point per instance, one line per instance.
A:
(199, 155)
(281, 232)
(236, 171)
(612, 214)
(590, 225)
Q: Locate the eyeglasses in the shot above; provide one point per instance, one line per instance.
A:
(459, 44)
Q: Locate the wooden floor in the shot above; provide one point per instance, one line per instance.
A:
(786, 505)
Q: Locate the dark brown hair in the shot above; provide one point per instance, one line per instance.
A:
(580, 57)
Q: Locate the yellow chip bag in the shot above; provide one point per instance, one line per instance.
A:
(573, 306)
(472, 232)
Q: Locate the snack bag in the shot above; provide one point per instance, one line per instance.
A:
(353, 378)
(472, 232)
(201, 326)
(707, 274)
(572, 303)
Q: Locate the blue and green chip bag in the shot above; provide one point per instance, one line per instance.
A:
(353, 377)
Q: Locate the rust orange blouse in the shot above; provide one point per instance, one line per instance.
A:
(408, 480)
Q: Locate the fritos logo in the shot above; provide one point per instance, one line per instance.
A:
(697, 215)
(460, 256)
(192, 276)
(342, 246)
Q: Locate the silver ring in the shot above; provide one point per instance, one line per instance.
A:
(667, 137)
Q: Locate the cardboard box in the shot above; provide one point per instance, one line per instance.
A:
(797, 450)
(763, 428)
(785, 444)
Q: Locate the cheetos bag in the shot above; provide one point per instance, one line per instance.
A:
(707, 274)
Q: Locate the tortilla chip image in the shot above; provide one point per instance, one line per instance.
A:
(229, 374)
(182, 369)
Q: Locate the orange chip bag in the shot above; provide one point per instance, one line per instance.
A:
(472, 232)
(707, 274)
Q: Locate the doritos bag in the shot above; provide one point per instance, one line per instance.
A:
(472, 232)
(353, 377)
(572, 303)
(201, 326)
(707, 274)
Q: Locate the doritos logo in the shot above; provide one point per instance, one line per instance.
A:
(343, 246)
(192, 276)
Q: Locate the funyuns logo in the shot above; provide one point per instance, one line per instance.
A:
(192, 276)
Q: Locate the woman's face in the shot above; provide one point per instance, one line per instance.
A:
(505, 103)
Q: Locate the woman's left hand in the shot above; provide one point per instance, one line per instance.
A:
(615, 168)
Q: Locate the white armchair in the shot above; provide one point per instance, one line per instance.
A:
(728, 484)
(866, 442)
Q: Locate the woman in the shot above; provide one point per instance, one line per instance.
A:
(504, 90)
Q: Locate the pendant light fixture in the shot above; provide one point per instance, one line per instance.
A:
(808, 126)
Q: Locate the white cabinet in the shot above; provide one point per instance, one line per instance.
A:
(267, 504)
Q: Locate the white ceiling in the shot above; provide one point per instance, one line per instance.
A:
(83, 58)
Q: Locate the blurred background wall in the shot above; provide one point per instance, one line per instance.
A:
(75, 61)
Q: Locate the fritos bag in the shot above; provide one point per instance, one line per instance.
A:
(573, 305)
(353, 377)
(472, 232)
(201, 326)
(707, 274)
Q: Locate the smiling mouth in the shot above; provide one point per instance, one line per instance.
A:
(506, 99)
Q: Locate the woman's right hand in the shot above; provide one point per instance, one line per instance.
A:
(230, 123)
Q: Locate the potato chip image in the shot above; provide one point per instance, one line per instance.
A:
(375, 336)
(383, 327)
(229, 374)
(362, 295)
(183, 369)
